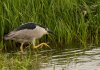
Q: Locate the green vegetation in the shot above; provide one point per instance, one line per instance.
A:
(73, 21)
(21, 62)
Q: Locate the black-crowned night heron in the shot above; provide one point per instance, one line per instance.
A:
(27, 32)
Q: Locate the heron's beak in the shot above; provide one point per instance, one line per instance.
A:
(51, 32)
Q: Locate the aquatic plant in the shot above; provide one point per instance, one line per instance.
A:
(71, 20)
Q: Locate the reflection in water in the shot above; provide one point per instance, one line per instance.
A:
(73, 59)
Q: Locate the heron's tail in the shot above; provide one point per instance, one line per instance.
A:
(8, 36)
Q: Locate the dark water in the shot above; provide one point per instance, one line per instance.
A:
(69, 59)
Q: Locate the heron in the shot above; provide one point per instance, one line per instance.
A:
(28, 33)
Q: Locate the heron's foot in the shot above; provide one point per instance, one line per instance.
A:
(42, 45)
(21, 50)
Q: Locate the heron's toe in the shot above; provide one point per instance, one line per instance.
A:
(35, 47)
(45, 44)
(42, 45)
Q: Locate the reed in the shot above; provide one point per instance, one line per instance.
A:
(71, 20)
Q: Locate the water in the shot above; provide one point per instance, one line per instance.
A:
(69, 59)
(53, 59)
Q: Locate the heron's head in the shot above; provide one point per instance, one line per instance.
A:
(44, 30)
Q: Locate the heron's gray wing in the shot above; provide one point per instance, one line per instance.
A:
(25, 35)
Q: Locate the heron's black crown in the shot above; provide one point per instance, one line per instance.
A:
(29, 25)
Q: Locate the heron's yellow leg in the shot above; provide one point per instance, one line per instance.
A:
(21, 47)
(41, 45)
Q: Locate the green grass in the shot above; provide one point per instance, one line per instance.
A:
(64, 17)
(17, 62)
